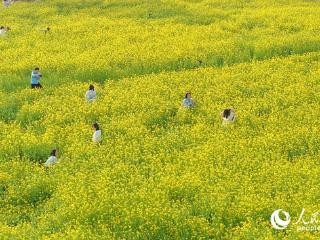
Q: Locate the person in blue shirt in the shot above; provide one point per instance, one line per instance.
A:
(188, 101)
(35, 77)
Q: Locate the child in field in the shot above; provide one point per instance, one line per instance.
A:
(91, 94)
(228, 116)
(35, 77)
(188, 101)
(97, 133)
(52, 159)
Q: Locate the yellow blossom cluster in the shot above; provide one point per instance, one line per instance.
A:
(161, 171)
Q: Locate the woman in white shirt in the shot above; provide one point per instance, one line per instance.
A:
(91, 94)
(3, 30)
(52, 159)
(97, 133)
(228, 116)
(6, 3)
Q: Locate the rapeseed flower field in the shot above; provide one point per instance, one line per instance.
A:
(161, 171)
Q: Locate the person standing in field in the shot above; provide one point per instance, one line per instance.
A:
(35, 77)
(52, 159)
(91, 94)
(228, 116)
(188, 101)
(96, 133)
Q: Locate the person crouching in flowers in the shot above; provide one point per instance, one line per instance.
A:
(228, 116)
(45, 30)
(97, 133)
(188, 101)
(52, 159)
(4, 30)
(6, 3)
(91, 94)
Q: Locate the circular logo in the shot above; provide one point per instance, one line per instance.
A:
(277, 222)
